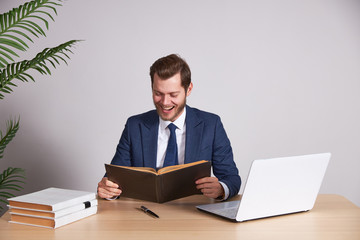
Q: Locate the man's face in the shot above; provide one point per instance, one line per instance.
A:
(169, 97)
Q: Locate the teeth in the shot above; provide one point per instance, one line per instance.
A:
(168, 108)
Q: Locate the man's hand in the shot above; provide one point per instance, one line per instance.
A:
(210, 187)
(108, 189)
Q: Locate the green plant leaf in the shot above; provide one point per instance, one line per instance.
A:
(7, 183)
(42, 19)
(18, 70)
(16, 39)
(11, 129)
(3, 62)
(22, 34)
(25, 22)
(5, 195)
(11, 43)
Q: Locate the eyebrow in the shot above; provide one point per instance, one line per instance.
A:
(157, 91)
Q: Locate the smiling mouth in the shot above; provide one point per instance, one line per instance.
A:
(167, 108)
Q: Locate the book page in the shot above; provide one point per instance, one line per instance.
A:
(176, 167)
(141, 169)
(162, 170)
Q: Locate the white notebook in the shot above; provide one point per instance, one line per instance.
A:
(51, 199)
(52, 214)
(53, 222)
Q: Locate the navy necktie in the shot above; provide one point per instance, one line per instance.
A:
(171, 157)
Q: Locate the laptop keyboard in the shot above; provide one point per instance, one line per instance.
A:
(225, 209)
(228, 212)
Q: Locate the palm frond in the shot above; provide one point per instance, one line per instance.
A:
(24, 22)
(10, 180)
(11, 129)
(18, 70)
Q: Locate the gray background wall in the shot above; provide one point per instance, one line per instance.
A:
(283, 75)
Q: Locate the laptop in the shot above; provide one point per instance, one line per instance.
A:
(276, 187)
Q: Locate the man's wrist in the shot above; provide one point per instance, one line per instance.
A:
(225, 194)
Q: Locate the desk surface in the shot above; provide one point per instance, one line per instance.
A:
(333, 217)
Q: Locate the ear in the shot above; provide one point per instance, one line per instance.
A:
(189, 89)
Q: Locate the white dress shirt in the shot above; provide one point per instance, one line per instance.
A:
(164, 135)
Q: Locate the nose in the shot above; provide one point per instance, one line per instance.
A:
(165, 100)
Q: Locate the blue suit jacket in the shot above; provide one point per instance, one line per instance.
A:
(206, 139)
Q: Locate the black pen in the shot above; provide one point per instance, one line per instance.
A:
(146, 210)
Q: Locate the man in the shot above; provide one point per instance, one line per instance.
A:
(198, 135)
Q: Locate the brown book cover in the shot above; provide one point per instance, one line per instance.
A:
(160, 186)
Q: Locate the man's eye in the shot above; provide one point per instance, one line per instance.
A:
(173, 95)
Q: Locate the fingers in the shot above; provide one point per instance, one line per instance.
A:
(210, 187)
(206, 180)
(108, 189)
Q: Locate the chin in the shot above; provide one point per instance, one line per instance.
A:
(168, 117)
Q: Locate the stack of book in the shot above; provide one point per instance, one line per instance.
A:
(52, 207)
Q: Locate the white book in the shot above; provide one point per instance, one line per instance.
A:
(55, 222)
(51, 199)
(52, 214)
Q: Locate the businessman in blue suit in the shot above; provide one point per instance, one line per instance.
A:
(198, 135)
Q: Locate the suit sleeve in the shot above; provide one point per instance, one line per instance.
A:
(224, 167)
(122, 155)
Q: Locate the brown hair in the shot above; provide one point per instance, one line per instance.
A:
(170, 65)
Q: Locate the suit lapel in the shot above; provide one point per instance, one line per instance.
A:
(149, 135)
(194, 130)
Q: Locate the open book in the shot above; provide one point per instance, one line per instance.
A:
(160, 186)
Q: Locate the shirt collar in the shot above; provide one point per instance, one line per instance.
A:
(179, 122)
